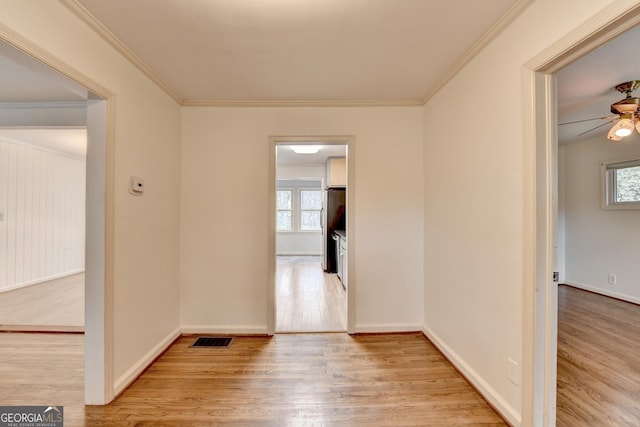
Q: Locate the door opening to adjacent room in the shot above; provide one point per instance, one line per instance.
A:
(551, 400)
(596, 180)
(42, 228)
(55, 151)
(310, 201)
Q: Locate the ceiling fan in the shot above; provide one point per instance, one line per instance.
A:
(625, 112)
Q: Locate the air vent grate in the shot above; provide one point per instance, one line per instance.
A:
(212, 342)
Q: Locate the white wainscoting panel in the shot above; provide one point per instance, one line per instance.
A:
(42, 214)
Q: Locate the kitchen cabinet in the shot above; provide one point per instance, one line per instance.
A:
(343, 260)
(336, 172)
(341, 256)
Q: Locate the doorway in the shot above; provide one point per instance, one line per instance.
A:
(42, 228)
(308, 238)
(87, 106)
(540, 349)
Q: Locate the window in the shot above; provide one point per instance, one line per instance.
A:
(621, 183)
(283, 210)
(310, 210)
(298, 207)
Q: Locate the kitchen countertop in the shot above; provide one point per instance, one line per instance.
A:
(340, 233)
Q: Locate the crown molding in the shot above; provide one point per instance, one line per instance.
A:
(480, 44)
(86, 16)
(304, 103)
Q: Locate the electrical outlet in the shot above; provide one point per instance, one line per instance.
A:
(513, 372)
(612, 279)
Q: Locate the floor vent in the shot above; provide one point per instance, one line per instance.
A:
(212, 342)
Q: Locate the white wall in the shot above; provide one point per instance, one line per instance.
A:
(224, 227)
(474, 202)
(146, 138)
(599, 242)
(561, 242)
(42, 197)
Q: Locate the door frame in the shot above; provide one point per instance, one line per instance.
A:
(540, 313)
(349, 142)
(99, 249)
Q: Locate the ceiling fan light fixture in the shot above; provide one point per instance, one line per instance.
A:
(624, 127)
(611, 136)
(622, 132)
(626, 114)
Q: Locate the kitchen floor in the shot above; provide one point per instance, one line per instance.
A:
(307, 298)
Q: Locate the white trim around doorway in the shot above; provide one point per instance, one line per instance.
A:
(349, 141)
(540, 314)
(98, 348)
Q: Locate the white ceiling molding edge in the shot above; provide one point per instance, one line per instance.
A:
(483, 41)
(110, 38)
(305, 103)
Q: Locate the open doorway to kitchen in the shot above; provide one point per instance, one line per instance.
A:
(310, 235)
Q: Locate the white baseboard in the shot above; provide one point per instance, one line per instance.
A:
(374, 328)
(225, 329)
(507, 411)
(145, 361)
(41, 280)
(605, 292)
(138, 368)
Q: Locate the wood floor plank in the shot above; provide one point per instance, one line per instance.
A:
(308, 299)
(56, 305)
(598, 360)
(288, 379)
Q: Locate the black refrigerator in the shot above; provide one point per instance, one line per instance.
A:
(334, 213)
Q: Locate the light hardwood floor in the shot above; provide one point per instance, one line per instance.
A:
(56, 305)
(308, 299)
(598, 360)
(285, 380)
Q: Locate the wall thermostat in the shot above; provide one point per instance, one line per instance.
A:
(136, 186)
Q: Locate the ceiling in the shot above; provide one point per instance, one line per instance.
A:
(28, 83)
(25, 79)
(286, 157)
(226, 51)
(586, 87)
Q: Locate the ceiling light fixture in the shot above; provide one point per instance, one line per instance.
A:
(627, 109)
(305, 149)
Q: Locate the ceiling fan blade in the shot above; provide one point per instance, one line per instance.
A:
(588, 120)
(599, 126)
